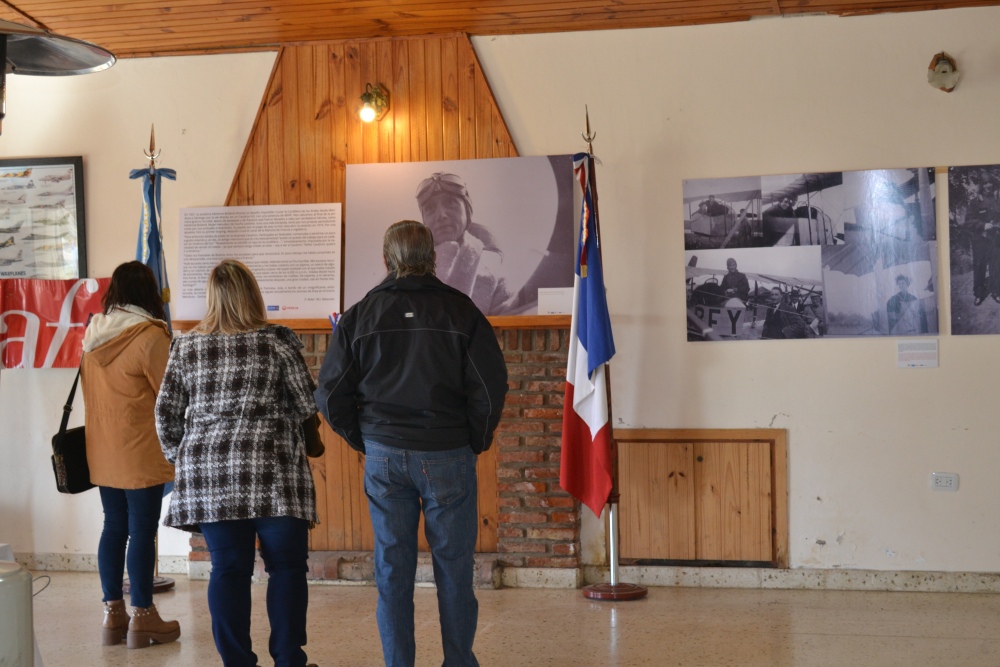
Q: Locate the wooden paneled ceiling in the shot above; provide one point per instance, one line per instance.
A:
(135, 28)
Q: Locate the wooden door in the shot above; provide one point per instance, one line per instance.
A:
(733, 501)
(703, 495)
(657, 509)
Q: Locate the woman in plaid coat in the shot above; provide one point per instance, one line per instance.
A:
(229, 416)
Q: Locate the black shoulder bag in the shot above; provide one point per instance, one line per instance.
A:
(69, 451)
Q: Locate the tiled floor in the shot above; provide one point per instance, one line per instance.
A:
(529, 627)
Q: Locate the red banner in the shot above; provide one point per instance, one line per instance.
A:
(42, 321)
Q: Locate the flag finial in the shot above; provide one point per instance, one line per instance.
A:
(152, 153)
(588, 136)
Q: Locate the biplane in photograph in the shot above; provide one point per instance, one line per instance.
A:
(760, 212)
(723, 219)
(728, 317)
(793, 218)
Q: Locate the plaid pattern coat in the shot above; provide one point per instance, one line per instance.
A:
(229, 417)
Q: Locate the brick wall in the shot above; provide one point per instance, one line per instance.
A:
(314, 349)
(539, 523)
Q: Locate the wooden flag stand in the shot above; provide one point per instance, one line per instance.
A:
(613, 590)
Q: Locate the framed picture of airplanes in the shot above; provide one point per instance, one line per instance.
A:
(838, 254)
(42, 222)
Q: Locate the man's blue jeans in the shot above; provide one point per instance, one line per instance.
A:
(131, 517)
(397, 481)
(284, 546)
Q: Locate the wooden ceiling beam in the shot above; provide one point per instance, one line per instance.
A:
(248, 12)
(137, 28)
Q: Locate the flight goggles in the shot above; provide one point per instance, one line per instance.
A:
(442, 183)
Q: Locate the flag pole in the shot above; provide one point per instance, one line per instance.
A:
(614, 589)
(153, 257)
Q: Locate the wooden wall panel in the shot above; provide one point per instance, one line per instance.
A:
(449, 100)
(337, 71)
(307, 107)
(441, 108)
(489, 506)
(386, 128)
(657, 503)
(289, 155)
(734, 506)
(468, 73)
(307, 132)
(756, 506)
(433, 100)
(418, 104)
(733, 501)
(400, 100)
(321, 174)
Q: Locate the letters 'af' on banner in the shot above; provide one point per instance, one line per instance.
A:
(42, 321)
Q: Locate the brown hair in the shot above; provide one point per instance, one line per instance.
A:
(234, 300)
(134, 284)
(408, 249)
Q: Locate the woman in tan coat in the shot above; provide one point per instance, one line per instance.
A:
(125, 354)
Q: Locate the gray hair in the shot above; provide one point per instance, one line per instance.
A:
(408, 249)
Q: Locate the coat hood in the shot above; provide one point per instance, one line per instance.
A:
(108, 335)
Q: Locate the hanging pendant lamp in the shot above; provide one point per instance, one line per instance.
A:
(38, 52)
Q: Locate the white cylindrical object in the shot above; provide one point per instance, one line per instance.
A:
(613, 538)
(16, 644)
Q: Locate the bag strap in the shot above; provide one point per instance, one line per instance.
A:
(68, 408)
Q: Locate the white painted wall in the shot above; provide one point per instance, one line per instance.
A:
(782, 96)
(203, 109)
(765, 97)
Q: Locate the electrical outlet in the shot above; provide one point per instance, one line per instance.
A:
(944, 481)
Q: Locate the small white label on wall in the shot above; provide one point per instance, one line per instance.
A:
(921, 353)
(555, 300)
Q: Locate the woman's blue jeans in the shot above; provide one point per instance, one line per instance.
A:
(284, 546)
(397, 482)
(131, 517)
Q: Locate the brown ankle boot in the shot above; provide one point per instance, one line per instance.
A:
(146, 627)
(115, 623)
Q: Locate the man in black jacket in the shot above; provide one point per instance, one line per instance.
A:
(415, 379)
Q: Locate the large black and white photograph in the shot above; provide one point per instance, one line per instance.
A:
(881, 277)
(504, 228)
(806, 209)
(874, 234)
(42, 230)
(974, 233)
(754, 294)
(881, 290)
(761, 211)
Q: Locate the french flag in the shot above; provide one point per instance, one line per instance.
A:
(585, 465)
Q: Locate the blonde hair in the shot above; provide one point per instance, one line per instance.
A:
(234, 301)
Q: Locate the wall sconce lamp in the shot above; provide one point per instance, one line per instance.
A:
(375, 101)
(942, 73)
